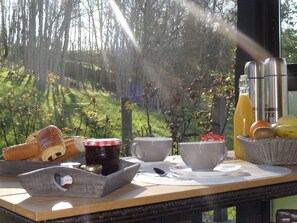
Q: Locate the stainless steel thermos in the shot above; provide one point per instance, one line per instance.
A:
(268, 88)
(276, 89)
(254, 70)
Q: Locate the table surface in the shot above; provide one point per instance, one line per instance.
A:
(15, 199)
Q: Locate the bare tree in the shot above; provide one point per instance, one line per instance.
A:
(118, 44)
(3, 30)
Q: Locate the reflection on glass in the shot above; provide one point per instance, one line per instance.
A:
(289, 30)
(292, 102)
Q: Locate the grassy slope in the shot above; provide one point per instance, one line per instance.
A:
(75, 103)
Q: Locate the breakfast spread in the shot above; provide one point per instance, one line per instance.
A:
(46, 144)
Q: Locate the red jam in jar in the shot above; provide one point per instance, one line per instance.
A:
(105, 152)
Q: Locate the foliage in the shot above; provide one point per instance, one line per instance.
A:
(189, 111)
(150, 91)
(20, 113)
(222, 85)
(24, 109)
(289, 30)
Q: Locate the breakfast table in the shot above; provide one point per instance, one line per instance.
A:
(152, 198)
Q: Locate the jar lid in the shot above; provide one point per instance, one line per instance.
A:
(103, 142)
(93, 169)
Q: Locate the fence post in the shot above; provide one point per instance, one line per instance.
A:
(126, 126)
(219, 114)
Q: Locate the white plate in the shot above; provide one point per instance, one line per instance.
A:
(220, 170)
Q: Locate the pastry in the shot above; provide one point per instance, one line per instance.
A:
(21, 151)
(51, 143)
(74, 145)
(35, 158)
(32, 137)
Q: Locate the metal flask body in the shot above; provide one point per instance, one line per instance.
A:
(255, 73)
(276, 89)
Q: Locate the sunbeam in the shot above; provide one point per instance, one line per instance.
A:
(256, 51)
(121, 19)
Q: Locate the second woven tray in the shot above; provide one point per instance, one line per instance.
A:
(276, 151)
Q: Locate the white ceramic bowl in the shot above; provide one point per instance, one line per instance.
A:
(151, 149)
(203, 156)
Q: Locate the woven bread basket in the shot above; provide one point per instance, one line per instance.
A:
(273, 151)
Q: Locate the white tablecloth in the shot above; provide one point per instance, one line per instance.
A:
(249, 171)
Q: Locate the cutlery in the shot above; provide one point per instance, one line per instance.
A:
(163, 173)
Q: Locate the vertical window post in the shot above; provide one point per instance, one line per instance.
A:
(259, 20)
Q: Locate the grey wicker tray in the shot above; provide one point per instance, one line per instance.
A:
(47, 181)
(275, 151)
(13, 168)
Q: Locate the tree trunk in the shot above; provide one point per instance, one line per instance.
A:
(66, 27)
(3, 30)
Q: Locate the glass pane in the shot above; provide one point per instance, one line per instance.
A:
(289, 30)
(170, 58)
(293, 103)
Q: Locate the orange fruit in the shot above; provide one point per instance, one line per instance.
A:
(261, 129)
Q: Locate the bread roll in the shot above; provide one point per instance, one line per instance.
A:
(21, 151)
(35, 158)
(74, 145)
(32, 137)
(51, 144)
(77, 140)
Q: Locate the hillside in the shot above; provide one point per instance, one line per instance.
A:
(76, 111)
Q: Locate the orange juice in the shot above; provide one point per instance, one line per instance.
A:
(243, 116)
(243, 119)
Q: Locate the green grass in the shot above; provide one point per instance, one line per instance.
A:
(76, 111)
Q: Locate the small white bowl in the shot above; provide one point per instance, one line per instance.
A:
(203, 156)
(151, 149)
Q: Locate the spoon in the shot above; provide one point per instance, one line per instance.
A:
(163, 173)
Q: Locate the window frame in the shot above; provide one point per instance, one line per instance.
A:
(260, 21)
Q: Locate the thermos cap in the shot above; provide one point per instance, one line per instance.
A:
(254, 69)
(275, 66)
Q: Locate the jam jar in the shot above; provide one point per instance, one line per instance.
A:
(105, 152)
